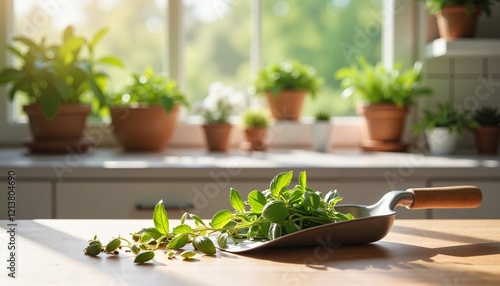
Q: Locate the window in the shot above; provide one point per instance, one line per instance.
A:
(217, 37)
(325, 34)
(136, 30)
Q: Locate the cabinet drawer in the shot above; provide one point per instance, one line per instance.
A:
(33, 200)
(136, 200)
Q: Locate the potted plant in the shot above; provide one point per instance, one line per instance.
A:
(255, 123)
(285, 86)
(442, 127)
(55, 78)
(216, 108)
(384, 96)
(458, 18)
(144, 114)
(487, 132)
(321, 130)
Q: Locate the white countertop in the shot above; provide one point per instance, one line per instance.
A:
(172, 163)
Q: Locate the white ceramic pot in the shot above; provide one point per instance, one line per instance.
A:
(441, 141)
(320, 135)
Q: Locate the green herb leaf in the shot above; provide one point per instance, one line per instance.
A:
(204, 244)
(178, 241)
(236, 201)
(253, 231)
(291, 226)
(151, 232)
(303, 179)
(135, 249)
(144, 256)
(222, 240)
(275, 211)
(160, 218)
(295, 196)
(312, 200)
(94, 248)
(274, 231)
(113, 245)
(221, 218)
(257, 201)
(197, 219)
(183, 228)
(188, 254)
(279, 182)
(183, 217)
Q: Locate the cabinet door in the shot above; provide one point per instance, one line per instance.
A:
(121, 200)
(489, 208)
(33, 200)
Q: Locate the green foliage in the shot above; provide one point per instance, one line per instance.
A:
(55, 74)
(322, 115)
(435, 6)
(487, 116)
(273, 213)
(445, 116)
(150, 88)
(290, 74)
(376, 84)
(255, 118)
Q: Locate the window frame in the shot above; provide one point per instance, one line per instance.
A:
(395, 45)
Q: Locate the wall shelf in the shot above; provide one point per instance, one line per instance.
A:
(474, 47)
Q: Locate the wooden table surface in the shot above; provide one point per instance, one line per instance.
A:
(415, 252)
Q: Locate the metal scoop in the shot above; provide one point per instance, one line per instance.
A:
(371, 223)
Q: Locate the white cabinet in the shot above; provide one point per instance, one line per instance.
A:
(489, 208)
(135, 200)
(33, 200)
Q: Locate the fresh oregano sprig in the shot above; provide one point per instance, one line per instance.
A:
(265, 215)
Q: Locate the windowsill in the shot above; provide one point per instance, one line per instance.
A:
(346, 132)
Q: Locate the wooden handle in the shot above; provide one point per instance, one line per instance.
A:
(446, 197)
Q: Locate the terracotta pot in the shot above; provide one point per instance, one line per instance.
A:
(68, 123)
(287, 105)
(255, 139)
(455, 22)
(62, 134)
(217, 136)
(385, 122)
(487, 138)
(146, 128)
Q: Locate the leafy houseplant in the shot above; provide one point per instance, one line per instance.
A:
(486, 134)
(443, 126)
(216, 108)
(285, 85)
(144, 114)
(384, 96)
(255, 123)
(55, 78)
(458, 18)
(321, 130)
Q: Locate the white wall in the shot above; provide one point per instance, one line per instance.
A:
(469, 82)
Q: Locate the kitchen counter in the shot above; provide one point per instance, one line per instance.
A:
(194, 180)
(415, 252)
